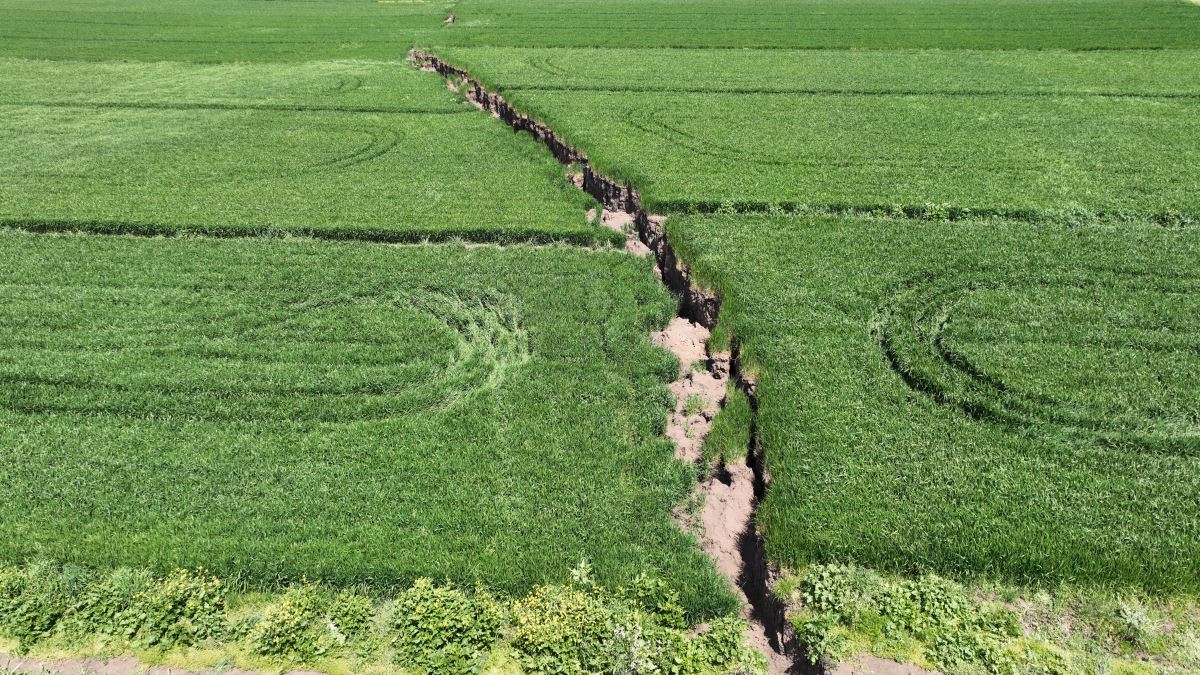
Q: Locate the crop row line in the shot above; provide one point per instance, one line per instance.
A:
(269, 107)
(965, 93)
(481, 235)
(806, 48)
(935, 212)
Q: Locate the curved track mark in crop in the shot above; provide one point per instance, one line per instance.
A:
(485, 336)
(912, 331)
(699, 146)
(547, 66)
(380, 141)
(343, 84)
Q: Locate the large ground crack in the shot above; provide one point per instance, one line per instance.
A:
(732, 491)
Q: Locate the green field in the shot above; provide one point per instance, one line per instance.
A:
(829, 24)
(994, 399)
(1145, 73)
(213, 31)
(341, 412)
(1018, 136)
(344, 150)
(276, 303)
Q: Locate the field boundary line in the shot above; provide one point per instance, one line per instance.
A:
(586, 240)
(268, 107)
(833, 91)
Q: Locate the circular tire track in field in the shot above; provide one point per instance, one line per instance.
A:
(911, 329)
(381, 141)
(701, 146)
(547, 66)
(343, 84)
(483, 336)
(377, 142)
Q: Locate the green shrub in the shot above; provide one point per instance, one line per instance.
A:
(957, 633)
(577, 628)
(843, 591)
(183, 608)
(723, 649)
(442, 629)
(100, 608)
(560, 629)
(34, 602)
(657, 597)
(352, 614)
(293, 629)
(823, 636)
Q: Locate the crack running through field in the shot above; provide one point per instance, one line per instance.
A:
(733, 491)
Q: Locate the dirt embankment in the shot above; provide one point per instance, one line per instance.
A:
(731, 492)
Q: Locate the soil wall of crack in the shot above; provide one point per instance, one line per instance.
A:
(731, 491)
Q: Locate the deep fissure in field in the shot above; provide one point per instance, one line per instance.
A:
(734, 487)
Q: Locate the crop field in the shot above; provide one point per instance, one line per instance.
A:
(1151, 73)
(1013, 396)
(341, 412)
(214, 30)
(350, 150)
(992, 398)
(840, 130)
(836, 24)
(279, 305)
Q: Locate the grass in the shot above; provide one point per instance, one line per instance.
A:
(1005, 400)
(814, 24)
(985, 152)
(987, 399)
(337, 150)
(728, 440)
(1149, 73)
(341, 412)
(989, 627)
(192, 620)
(215, 30)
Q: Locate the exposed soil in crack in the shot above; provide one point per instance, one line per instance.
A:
(731, 492)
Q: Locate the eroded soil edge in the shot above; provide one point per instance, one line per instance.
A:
(731, 491)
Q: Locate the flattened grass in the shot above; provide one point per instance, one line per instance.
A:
(990, 398)
(346, 412)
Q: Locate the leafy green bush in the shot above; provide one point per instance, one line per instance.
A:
(823, 636)
(34, 600)
(657, 597)
(442, 629)
(721, 649)
(560, 629)
(432, 628)
(293, 629)
(586, 629)
(351, 614)
(836, 602)
(103, 606)
(183, 608)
